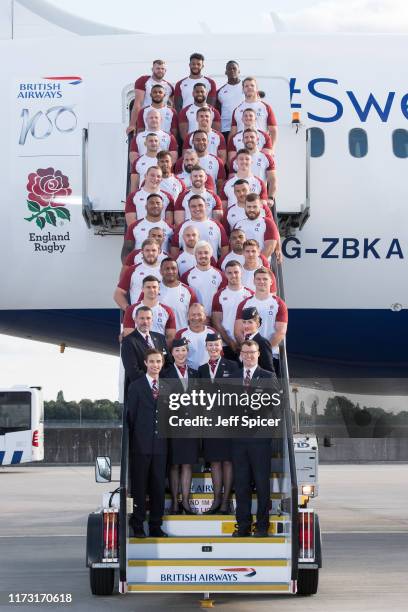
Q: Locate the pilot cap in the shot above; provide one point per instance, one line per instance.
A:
(249, 313)
(180, 342)
(213, 337)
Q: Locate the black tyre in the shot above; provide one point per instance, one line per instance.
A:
(101, 580)
(308, 581)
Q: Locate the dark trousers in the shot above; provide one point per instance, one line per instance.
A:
(276, 365)
(148, 477)
(252, 461)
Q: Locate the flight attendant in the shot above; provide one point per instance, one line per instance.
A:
(183, 452)
(217, 451)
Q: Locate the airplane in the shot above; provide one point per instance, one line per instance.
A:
(341, 163)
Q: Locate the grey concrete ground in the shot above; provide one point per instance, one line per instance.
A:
(363, 513)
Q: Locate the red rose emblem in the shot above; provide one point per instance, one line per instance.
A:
(47, 186)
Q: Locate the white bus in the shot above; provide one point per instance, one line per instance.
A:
(21, 425)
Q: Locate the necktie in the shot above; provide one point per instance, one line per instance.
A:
(248, 337)
(182, 370)
(213, 364)
(247, 379)
(148, 341)
(155, 389)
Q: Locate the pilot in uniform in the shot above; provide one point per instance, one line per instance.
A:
(183, 452)
(251, 322)
(147, 449)
(217, 451)
(251, 457)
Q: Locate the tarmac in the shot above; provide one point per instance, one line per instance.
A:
(363, 516)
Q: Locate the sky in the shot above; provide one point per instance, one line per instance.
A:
(84, 374)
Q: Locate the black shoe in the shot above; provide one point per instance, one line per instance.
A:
(185, 510)
(177, 510)
(260, 533)
(213, 509)
(157, 532)
(137, 528)
(241, 533)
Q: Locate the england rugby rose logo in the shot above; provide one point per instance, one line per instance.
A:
(47, 191)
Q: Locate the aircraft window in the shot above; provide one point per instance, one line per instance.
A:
(316, 142)
(400, 143)
(358, 145)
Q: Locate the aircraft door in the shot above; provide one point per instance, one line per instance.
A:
(104, 177)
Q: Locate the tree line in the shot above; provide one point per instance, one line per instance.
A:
(85, 409)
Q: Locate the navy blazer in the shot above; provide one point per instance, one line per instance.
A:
(142, 417)
(133, 353)
(226, 369)
(261, 374)
(171, 373)
(265, 353)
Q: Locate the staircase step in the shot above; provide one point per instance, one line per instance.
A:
(201, 573)
(214, 524)
(221, 547)
(200, 502)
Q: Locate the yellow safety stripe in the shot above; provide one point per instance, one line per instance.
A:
(211, 587)
(213, 517)
(208, 540)
(207, 562)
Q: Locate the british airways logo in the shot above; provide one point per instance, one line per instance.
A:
(49, 87)
(365, 106)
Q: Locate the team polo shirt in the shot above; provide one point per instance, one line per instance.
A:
(216, 142)
(167, 141)
(136, 257)
(136, 203)
(264, 115)
(197, 351)
(227, 301)
(186, 178)
(255, 186)
(189, 115)
(205, 283)
(237, 142)
(163, 317)
(212, 202)
(212, 165)
(272, 310)
(229, 97)
(261, 164)
(222, 262)
(184, 89)
(146, 82)
(168, 118)
(236, 213)
(179, 299)
(141, 165)
(132, 278)
(139, 231)
(186, 261)
(173, 185)
(248, 279)
(210, 230)
(259, 229)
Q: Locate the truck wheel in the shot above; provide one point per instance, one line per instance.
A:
(101, 580)
(308, 581)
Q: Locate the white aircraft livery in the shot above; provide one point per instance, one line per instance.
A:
(342, 194)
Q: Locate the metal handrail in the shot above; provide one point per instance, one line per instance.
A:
(123, 485)
(284, 375)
